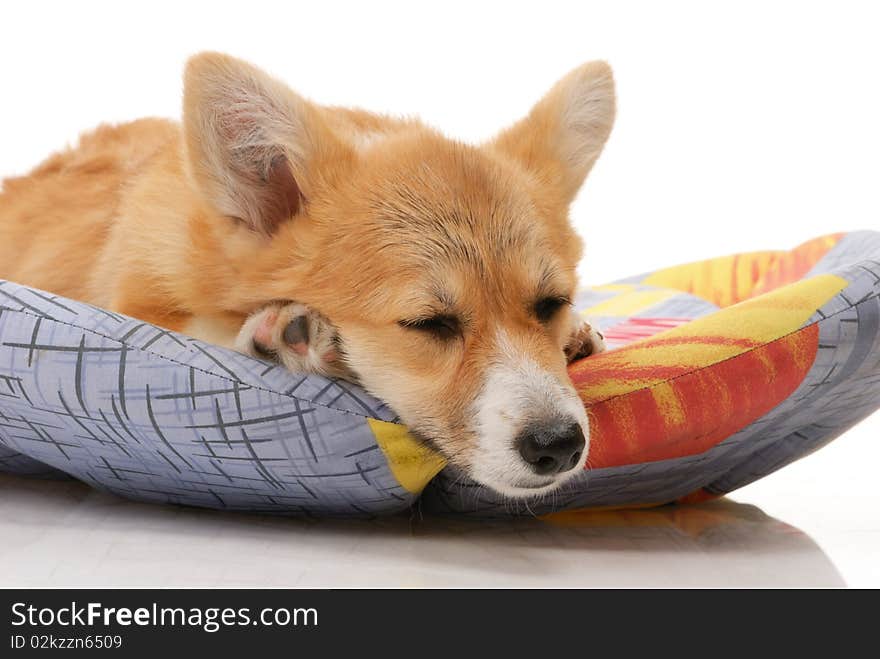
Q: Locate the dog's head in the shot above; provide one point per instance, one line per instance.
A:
(449, 269)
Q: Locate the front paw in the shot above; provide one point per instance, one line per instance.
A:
(585, 340)
(295, 336)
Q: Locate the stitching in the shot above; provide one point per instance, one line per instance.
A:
(184, 364)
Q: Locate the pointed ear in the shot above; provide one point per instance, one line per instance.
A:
(254, 147)
(564, 133)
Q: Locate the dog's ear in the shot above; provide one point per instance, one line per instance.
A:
(254, 147)
(563, 135)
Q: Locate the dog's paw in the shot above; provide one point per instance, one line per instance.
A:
(585, 340)
(295, 336)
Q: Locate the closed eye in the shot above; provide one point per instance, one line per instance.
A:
(547, 307)
(443, 327)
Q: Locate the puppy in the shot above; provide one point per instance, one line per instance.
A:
(447, 269)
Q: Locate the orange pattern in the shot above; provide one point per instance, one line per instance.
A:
(684, 390)
(792, 265)
(731, 279)
(691, 413)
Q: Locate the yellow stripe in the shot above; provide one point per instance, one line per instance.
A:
(669, 405)
(412, 463)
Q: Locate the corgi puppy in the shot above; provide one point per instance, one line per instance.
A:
(438, 275)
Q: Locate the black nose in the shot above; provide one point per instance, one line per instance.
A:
(552, 449)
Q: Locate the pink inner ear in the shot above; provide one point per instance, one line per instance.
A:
(283, 196)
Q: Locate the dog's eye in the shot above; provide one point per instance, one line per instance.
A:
(547, 307)
(443, 327)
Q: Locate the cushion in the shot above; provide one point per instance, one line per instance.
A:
(719, 372)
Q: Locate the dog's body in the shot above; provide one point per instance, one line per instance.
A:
(116, 222)
(446, 268)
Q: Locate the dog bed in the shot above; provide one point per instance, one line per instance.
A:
(719, 372)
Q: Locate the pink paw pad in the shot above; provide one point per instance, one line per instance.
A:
(263, 333)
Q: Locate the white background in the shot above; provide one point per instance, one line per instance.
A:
(741, 125)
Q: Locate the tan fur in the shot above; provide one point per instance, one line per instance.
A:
(174, 224)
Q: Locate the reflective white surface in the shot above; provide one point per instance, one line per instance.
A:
(814, 523)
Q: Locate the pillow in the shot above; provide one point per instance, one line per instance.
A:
(719, 373)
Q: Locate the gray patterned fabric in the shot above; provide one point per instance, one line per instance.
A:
(156, 416)
(152, 415)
